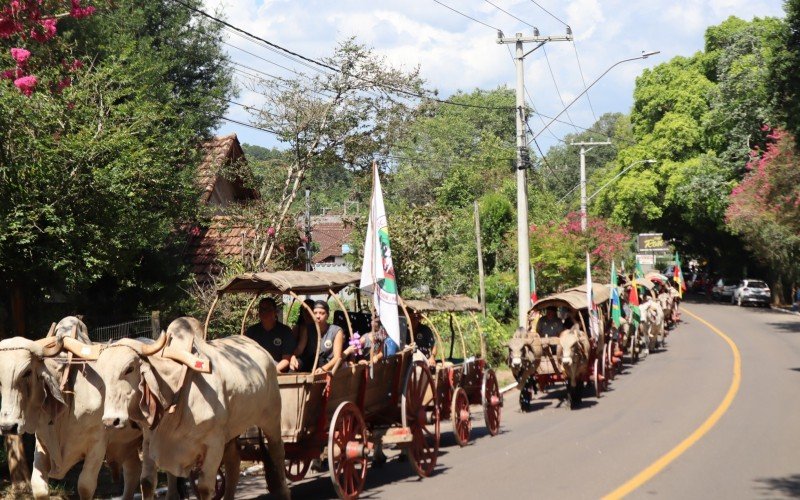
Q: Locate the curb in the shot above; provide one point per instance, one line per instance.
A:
(786, 311)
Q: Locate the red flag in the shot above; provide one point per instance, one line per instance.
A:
(633, 297)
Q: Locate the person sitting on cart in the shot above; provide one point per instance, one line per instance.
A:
(423, 337)
(373, 344)
(550, 325)
(305, 336)
(331, 341)
(275, 337)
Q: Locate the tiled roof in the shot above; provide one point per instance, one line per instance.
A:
(219, 151)
(330, 235)
(222, 239)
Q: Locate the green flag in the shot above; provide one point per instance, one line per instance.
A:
(616, 309)
(639, 271)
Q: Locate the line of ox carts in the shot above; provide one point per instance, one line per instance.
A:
(196, 408)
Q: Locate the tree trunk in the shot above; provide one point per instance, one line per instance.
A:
(17, 464)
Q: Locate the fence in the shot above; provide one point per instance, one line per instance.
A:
(142, 326)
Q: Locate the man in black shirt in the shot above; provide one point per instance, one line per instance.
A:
(273, 335)
(423, 337)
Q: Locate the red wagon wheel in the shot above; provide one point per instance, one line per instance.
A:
(347, 451)
(598, 383)
(492, 402)
(459, 412)
(297, 468)
(421, 415)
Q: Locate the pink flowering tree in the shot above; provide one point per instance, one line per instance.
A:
(30, 27)
(764, 208)
(558, 251)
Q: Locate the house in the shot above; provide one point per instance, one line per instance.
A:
(224, 236)
(333, 241)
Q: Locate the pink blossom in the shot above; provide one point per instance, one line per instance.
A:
(26, 84)
(8, 74)
(7, 26)
(271, 232)
(64, 83)
(76, 65)
(20, 55)
(79, 12)
(45, 31)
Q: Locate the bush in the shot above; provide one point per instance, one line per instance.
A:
(495, 335)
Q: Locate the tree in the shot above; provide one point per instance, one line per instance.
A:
(349, 113)
(765, 208)
(98, 174)
(784, 78)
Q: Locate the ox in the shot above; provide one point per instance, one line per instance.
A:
(573, 350)
(667, 303)
(524, 355)
(652, 325)
(191, 419)
(67, 422)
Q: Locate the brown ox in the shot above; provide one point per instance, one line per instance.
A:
(68, 424)
(573, 350)
(188, 421)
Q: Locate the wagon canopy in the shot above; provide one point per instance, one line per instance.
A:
(282, 282)
(656, 276)
(574, 298)
(645, 283)
(448, 303)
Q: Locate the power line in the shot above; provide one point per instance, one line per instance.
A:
(550, 13)
(467, 16)
(555, 84)
(508, 13)
(580, 69)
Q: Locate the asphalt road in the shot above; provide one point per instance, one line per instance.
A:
(753, 451)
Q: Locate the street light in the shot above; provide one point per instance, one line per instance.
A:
(618, 175)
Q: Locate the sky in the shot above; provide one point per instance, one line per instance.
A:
(456, 53)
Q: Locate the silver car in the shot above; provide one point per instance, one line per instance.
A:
(723, 289)
(751, 291)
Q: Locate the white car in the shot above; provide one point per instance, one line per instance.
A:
(751, 291)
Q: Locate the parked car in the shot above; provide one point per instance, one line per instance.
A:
(751, 291)
(723, 289)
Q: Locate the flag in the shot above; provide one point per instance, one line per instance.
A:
(377, 271)
(534, 297)
(616, 309)
(633, 302)
(594, 318)
(678, 275)
(639, 273)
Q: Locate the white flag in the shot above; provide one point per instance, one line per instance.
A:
(594, 318)
(377, 271)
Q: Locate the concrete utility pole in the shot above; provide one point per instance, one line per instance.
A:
(584, 150)
(523, 255)
(309, 264)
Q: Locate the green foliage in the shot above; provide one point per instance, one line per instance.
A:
(501, 296)
(495, 337)
(784, 70)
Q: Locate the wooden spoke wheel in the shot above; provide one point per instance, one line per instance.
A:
(492, 401)
(420, 414)
(459, 412)
(297, 468)
(347, 451)
(598, 382)
(219, 485)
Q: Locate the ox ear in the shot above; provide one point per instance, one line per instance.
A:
(153, 402)
(53, 403)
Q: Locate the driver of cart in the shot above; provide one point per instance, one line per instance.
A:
(273, 335)
(423, 337)
(550, 325)
(331, 345)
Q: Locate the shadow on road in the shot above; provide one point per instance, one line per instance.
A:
(789, 485)
(787, 326)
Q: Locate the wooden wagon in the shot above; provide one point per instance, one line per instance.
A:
(343, 414)
(465, 381)
(550, 369)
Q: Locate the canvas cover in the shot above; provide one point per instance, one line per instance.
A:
(281, 282)
(448, 303)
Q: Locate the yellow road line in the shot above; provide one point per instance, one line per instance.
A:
(659, 465)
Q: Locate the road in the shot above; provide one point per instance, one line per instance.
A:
(753, 450)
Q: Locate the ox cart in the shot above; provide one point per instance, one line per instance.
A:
(341, 415)
(588, 356)
(465, 381)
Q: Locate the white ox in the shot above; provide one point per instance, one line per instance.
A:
(188, 425)
(652, 323)
(68, 424)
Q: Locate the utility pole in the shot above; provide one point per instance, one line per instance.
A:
(481, 279)
(523, 254)
(584, 150)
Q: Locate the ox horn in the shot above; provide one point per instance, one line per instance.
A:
(81, 350)
(150, 349)
(51, 346)
(51, 331)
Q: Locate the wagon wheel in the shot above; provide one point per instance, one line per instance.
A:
(608, 366)
(492, 402)
(598, 384)
(459, 412)
(219, 486)
(421, 415)
(347, 451)
(635, 347)
(297, 468)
